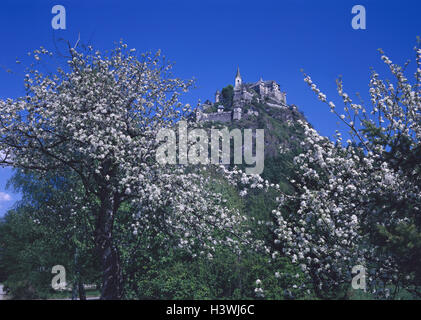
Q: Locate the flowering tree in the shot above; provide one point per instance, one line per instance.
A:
(99, 118)
(358, 203)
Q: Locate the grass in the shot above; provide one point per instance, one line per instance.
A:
(68, 294)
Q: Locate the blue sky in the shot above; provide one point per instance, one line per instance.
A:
(209, 39)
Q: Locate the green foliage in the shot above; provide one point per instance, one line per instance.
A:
(27, 256)
(226, 276)
(402, 240)
(40, 233)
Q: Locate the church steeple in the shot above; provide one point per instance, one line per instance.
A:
(238, 80)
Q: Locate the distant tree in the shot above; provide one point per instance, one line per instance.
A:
(227, 96)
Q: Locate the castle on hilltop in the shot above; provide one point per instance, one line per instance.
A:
(267, 92)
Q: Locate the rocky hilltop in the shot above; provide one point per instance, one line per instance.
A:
(236, 102)
(259, 105)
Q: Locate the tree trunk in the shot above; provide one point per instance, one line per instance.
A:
(78, 287)
(74, 291)
(82, 293)
(111, 272)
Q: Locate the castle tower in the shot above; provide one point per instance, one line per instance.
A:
(217, 96)
(236, 115)
(238, 80)
(237, 89)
